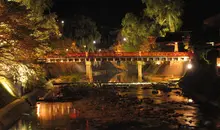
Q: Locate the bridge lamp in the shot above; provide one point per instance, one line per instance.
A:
(158, 63)
(189, 66)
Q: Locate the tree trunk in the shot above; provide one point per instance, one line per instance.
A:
(171, 25)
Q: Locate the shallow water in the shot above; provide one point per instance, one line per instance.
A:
(115, 108)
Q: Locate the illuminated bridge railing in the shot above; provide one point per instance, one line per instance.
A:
(117, 56)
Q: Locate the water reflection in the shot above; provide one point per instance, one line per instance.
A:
(63, 115)
(22, 125)
(56, 115)
(124, 77)
(46, 110)
(187, 114)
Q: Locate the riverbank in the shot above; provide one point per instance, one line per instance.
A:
(10, 113)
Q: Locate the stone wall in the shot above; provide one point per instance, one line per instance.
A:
(11, 112)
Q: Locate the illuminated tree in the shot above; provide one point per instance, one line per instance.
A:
(166, 13)
(136, 31)
(133, 32)
(24, 36)
(84, 32)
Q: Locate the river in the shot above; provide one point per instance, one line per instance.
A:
(112, 107)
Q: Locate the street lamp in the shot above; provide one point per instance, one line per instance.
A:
(94, 42)
(84, 46)
(62, 21)
(189, 66)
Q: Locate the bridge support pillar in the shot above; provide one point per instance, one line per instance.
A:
(89, 71)
(140, 75)
(176, 47)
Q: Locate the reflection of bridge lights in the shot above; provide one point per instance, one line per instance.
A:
(38, 109)
(50, 111)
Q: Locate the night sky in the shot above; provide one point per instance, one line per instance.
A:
(109, 13)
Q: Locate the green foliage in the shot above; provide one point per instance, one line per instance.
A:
(134, 32)
(70, 78)
(85, 32)
(166, 13)
(25, 33)
(159, 17)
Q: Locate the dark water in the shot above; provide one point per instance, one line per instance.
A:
(123, 108)
(65, 116)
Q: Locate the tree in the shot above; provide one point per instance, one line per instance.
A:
(133, 32)
(136, 33)
(85, 33)
(24, 36)
(166, 13)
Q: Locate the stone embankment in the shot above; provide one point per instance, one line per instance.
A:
(11, 112)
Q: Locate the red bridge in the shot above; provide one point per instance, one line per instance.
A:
(116, 56)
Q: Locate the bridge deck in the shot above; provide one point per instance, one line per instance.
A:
(117, 56)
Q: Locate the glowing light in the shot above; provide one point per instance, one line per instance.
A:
(218, 65)
(38, 109)
(189, 66)
(158, 62)
(94, 42)
(8, 86)
(125, 39)
(190, 100)
(62, 22)
(48, 111)
(67, 49)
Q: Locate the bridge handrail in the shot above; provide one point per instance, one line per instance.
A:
(121, 54)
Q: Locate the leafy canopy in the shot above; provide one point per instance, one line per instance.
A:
(24, 36)
(166, 13)
(133, 31)
(85, 32)
(160, 17)
(136, 31)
